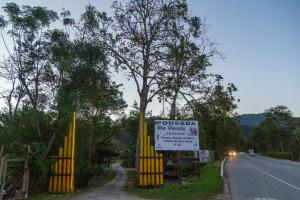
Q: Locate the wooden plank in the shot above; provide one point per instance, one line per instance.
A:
(161, 181)
(1, 151)
(69, 160)
(59, 179)
(3, 177)
(149, 159)
(141, 181)
(15, 159)
(2, 161)
(55, 176)
(157, 169)
(73, 152)
(145, 180)
(25, 187)
(65, 164)
(152, 166)
(50, 183)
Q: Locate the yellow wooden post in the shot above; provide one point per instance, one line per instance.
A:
(73, 152)
(65, 164)
(141, 151)
(69, 159)
(157, 168)
(161, 181)
(59, 180)
(51, 182)
(152, 166)
(55, 177)
(149, 160)
(145, 132)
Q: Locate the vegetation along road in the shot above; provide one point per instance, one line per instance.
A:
(260, 177)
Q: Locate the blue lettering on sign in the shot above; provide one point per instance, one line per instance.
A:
(161, 128)
(175, 128)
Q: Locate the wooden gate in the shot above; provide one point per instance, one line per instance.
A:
(19, 189)
(62, 179)
(151, 162)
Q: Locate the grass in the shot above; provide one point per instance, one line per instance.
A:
(51, 196)
(191, 188)
(94, 184)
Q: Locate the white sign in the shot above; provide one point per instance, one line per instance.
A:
(176, 135)
(203, 156)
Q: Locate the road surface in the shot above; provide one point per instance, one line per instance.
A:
(262, 178)
(110, 191)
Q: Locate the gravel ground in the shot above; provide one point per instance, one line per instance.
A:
(110, 191)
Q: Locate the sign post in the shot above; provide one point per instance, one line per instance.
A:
(203, 156)
(176, 135)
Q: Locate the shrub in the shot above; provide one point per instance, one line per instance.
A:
(84, 171)
(280, 155)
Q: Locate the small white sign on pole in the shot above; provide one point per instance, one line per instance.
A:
(203, 156)
(176, 135)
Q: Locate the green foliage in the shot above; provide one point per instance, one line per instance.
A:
(295, 143)
(275, 132)
(51, 74)
(128, 135)
(85, 170)
(280, 155)
(219, 130)
(40, 167)
(191, 188)
(229, 136)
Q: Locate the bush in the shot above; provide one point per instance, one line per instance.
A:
(40, 167)
(280, 155)
(84, 171)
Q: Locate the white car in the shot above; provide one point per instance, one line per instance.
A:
(251, 152)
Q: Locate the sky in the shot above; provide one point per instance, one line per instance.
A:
(260, 40)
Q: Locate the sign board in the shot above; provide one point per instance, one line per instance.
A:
(203, 156)
(176, 135)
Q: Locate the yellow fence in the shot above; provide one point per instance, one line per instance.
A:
(62, 179)
(151, 162)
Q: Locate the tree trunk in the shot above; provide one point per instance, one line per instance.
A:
(49, 146)
(173, 106)
(143, 108)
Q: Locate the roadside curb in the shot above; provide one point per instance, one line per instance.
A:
(222, 168)
(226, 190)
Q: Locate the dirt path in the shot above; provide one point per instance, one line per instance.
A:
(110, 191)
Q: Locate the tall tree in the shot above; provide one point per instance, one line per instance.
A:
(188, 56)
(276, 129)
(142, 29)
(84, 81)
(215, 113)
(27, 67)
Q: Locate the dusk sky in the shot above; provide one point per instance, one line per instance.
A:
(260, 40)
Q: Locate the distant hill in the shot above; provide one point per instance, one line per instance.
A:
(252, 120)
(249, 121)
(247, 130)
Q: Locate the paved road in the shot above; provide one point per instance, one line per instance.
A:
(110, 191)
(262, 178)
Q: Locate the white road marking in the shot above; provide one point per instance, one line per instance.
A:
(274, 177)
(265, 199)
